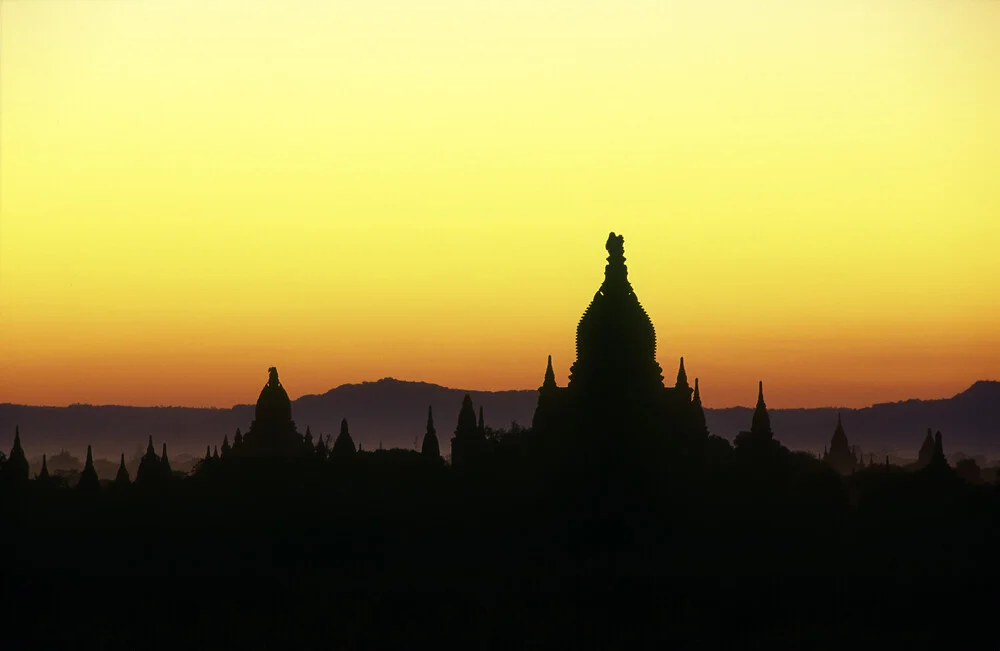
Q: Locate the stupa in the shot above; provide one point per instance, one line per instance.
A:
(616, 385)
(272, 432)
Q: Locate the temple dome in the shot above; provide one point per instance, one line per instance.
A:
(273, 405)
(615, 339)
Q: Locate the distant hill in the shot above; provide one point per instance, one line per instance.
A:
(393, 412)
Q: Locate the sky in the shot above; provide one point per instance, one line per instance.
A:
(194, 191)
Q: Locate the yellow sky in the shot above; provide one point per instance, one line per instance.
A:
(193, 191)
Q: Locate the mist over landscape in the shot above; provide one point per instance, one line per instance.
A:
(391, 413)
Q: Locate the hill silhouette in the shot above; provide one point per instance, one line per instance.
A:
(394, 413)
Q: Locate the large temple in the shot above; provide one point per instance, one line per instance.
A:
(272, 432)
(616, 386)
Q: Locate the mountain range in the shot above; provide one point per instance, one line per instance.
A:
(393, 413)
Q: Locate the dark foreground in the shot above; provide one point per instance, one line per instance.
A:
(408, 558)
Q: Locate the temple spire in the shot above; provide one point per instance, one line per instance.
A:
(682, 378)
(468, 439)
(926, 450)
(482, 423)
(431, 448)
(343, 447)
(615, 273)
(122, 478)
(700, 426)
(88, 478)
(17, 467)
(44, 473)
(761, 424)
(550, 377)
(938, 461)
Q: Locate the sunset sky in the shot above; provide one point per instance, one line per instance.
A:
(193, 191)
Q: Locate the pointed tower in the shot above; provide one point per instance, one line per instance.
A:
(760, 426)
(321, 449)
(208, 452)
(150, 469)
(225, 446)
(309, 438)
(165, 462)
(760, 435)
(469, 440)
(215, 452)
(926, 450)
(840, 457)
(482, 423)
(697, 411)
(549, 412)
(938, 460)
(16, 468)
(238, 441)
(343, 447)
(88, 478)
(682, 378)
(550, 376)
(122, 479)
(430, 448)
(43, 474)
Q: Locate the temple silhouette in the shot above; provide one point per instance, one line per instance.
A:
(272, 432)
(616, 387)
(617, 482)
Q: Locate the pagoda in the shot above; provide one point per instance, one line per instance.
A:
(616, 389)
(272, 432)
(840, 457)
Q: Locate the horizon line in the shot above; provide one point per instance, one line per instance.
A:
(382, 379)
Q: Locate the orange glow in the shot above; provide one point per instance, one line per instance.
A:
(193, 192)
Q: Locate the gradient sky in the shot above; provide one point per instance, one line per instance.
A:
(193, 191)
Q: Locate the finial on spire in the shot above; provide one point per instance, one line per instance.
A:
(272, 376)
(615, 245)
(760, 391)
(697, 392)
